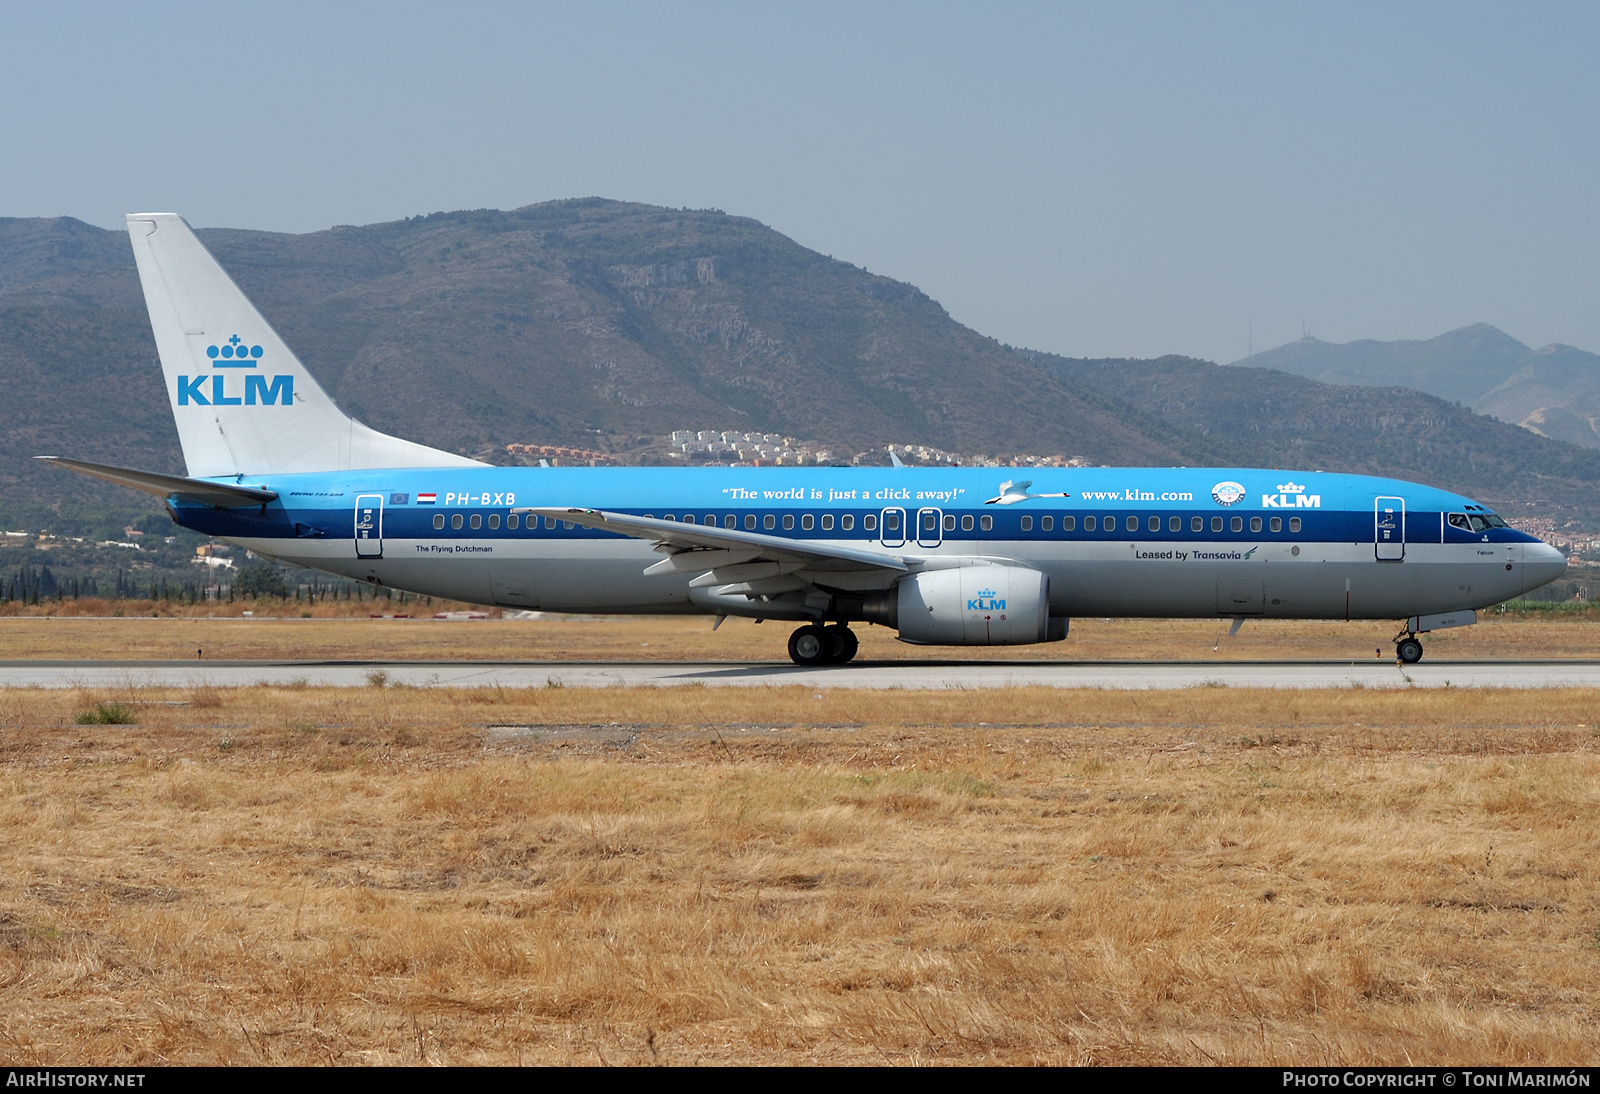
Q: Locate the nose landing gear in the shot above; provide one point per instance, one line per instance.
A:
(813, 645)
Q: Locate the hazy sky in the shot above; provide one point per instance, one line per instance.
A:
(1092, 180)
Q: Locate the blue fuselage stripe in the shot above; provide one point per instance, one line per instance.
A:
(1331, 508)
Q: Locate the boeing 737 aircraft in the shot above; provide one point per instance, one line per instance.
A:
(951, 557)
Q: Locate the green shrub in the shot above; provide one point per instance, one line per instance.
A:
(108, 714)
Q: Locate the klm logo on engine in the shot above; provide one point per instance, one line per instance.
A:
(986, 601)
(250, 389)
(1291, 496)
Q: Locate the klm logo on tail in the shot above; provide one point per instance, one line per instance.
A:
(257, 390)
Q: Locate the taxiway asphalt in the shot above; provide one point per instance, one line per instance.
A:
(867, 674)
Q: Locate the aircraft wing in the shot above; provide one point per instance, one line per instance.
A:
(224, 495)
(737, 561)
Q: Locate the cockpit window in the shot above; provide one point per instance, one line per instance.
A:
(1494, 521)
(1479, 523)
(1459, 520)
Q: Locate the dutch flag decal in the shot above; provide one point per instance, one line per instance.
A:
(427, 499)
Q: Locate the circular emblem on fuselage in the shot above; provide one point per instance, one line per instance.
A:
(1227, 493)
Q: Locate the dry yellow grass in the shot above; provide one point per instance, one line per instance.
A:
(738, 640)
(727, 875)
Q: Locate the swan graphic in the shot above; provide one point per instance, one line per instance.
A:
(1013, 492)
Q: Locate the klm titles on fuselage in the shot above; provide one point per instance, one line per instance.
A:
(256, 389)
(1291, 496)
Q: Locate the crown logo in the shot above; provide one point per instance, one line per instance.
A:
(985, 592)
(233, 354)
(1290, 488)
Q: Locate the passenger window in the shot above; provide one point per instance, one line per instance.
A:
(476, 521)
(827, 522)
(891, 521)
(949, 522)
(1047, 523)
(1132, 524)
(1276, 524)
(513, 521)
(1294, 524)
(568, 525)
(1027, 524)
(847, 522)
(1216, 524)
(1153, 524)
(750, 522)
(494, 520)
(967, 522)
(730, 521)
(769, 522)
(1236, 524)
(1197, 524)
(807, 522)
(666, 516)
(1255, 524)
(1109, 524)
(928, 524)
(869, 522)
(788, 522)
(549, 524)
(456, 521)
(987, 524)
(1089, 524)
(1174, 524)
(688, 518)
(1069, 523)
(711, 520)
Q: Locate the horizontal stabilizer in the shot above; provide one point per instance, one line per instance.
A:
(224, 495)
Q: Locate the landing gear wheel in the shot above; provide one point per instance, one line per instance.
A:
(1408, 650)
(809, 646)
(842, 644)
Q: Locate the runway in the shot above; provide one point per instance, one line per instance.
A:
(1136, 675)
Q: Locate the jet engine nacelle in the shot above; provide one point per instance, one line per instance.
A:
(987, 605)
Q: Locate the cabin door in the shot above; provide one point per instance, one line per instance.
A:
(1389, 529)
(930, 527)
(369, 526)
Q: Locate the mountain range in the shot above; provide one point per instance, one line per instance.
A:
(569, 321)
(1554, 391)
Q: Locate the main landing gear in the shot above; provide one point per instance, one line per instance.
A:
(1408, 649)
(814, 645)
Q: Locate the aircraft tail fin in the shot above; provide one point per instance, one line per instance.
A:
(243, 402)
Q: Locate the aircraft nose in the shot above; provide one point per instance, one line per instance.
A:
(1541, 564)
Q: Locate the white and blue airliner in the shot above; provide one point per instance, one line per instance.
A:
(946, 557)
